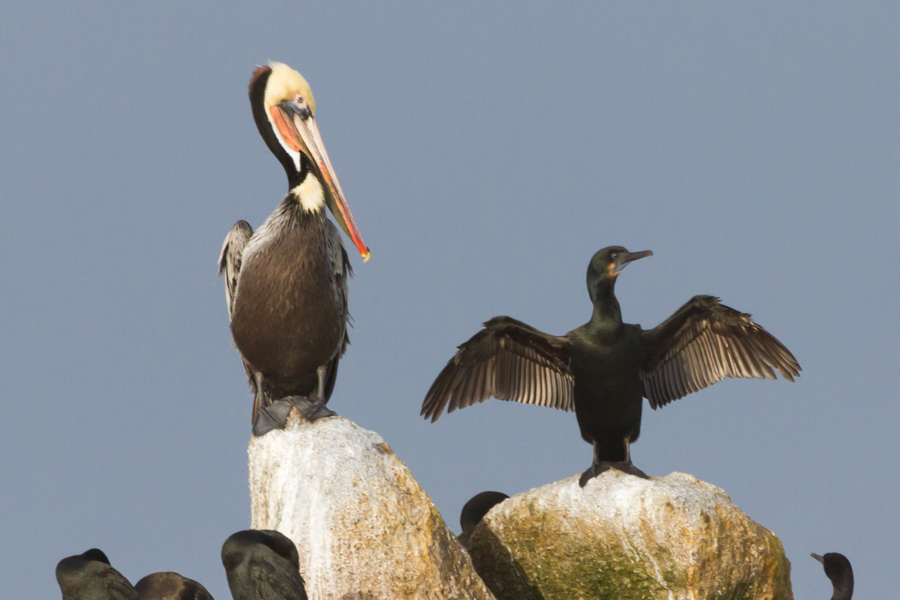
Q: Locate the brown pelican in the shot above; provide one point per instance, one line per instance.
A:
(286, 283)
(605, 368)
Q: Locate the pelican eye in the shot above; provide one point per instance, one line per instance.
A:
(301, 107)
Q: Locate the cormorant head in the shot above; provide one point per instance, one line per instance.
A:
(76, 572)
(284, 111)
(236, 547)
(607, 264)
(839, 571)
(476, 508)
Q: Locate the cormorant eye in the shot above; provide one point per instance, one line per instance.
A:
(615, 255)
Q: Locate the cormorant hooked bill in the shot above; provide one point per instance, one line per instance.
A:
(167, 585)
(605, 368)
(286, 283)
(839, 571)
(89, 576)
(474, 510)
(262, 565)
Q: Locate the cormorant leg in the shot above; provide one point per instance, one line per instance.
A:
(627, 466)
(313, 408)
(599, 466)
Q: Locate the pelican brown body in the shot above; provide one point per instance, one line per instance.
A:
(603, 369)
(286, 283)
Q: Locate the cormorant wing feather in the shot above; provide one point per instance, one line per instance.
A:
(230, 259)
(703, 343)
(117, 587)
(99, 579)
(273, 578)
(508, 360)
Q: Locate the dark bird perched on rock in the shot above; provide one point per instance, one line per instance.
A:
(262, 565)
(170, 586)
(839, 571)
(474, 510)
(89, 576)
(605, 368)
(286, 283)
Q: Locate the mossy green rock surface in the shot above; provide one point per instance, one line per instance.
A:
(622, 537)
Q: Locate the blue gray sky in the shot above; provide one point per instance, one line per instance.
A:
(486, 151)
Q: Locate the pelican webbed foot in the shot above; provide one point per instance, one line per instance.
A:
(312, 408)
(275, 415)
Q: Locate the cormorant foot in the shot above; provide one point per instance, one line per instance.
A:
(625, 466)
(312, 409)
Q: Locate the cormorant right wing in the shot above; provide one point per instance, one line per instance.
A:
(705, 342)
(508, 360)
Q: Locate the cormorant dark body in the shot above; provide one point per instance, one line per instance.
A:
(286, 283)
(89, 576)
(262, 565)
(474, 510)
(167, 585)
(603, 369)
(839, 571)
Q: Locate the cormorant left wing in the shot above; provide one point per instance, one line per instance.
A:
(508, 360)
(705, 342)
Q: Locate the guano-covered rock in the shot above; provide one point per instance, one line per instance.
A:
(363, 527)
(622, 537)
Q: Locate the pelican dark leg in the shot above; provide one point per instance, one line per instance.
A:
(313, 407)
(268, 415)
(265, 417)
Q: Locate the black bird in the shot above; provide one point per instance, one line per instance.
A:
(474, 510)
(170, 586)
(89, 576)
(286, 284)
(604, 368)
(262, 565)
(839, 571)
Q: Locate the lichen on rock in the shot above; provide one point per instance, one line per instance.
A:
(624, 537)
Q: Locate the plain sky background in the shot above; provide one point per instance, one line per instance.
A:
(487, 151)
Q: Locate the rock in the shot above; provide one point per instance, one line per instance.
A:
(624, 537)
(364, 528)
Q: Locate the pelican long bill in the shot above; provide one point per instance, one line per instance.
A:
(298, 128)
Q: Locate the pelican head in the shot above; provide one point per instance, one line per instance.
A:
(284, 110)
